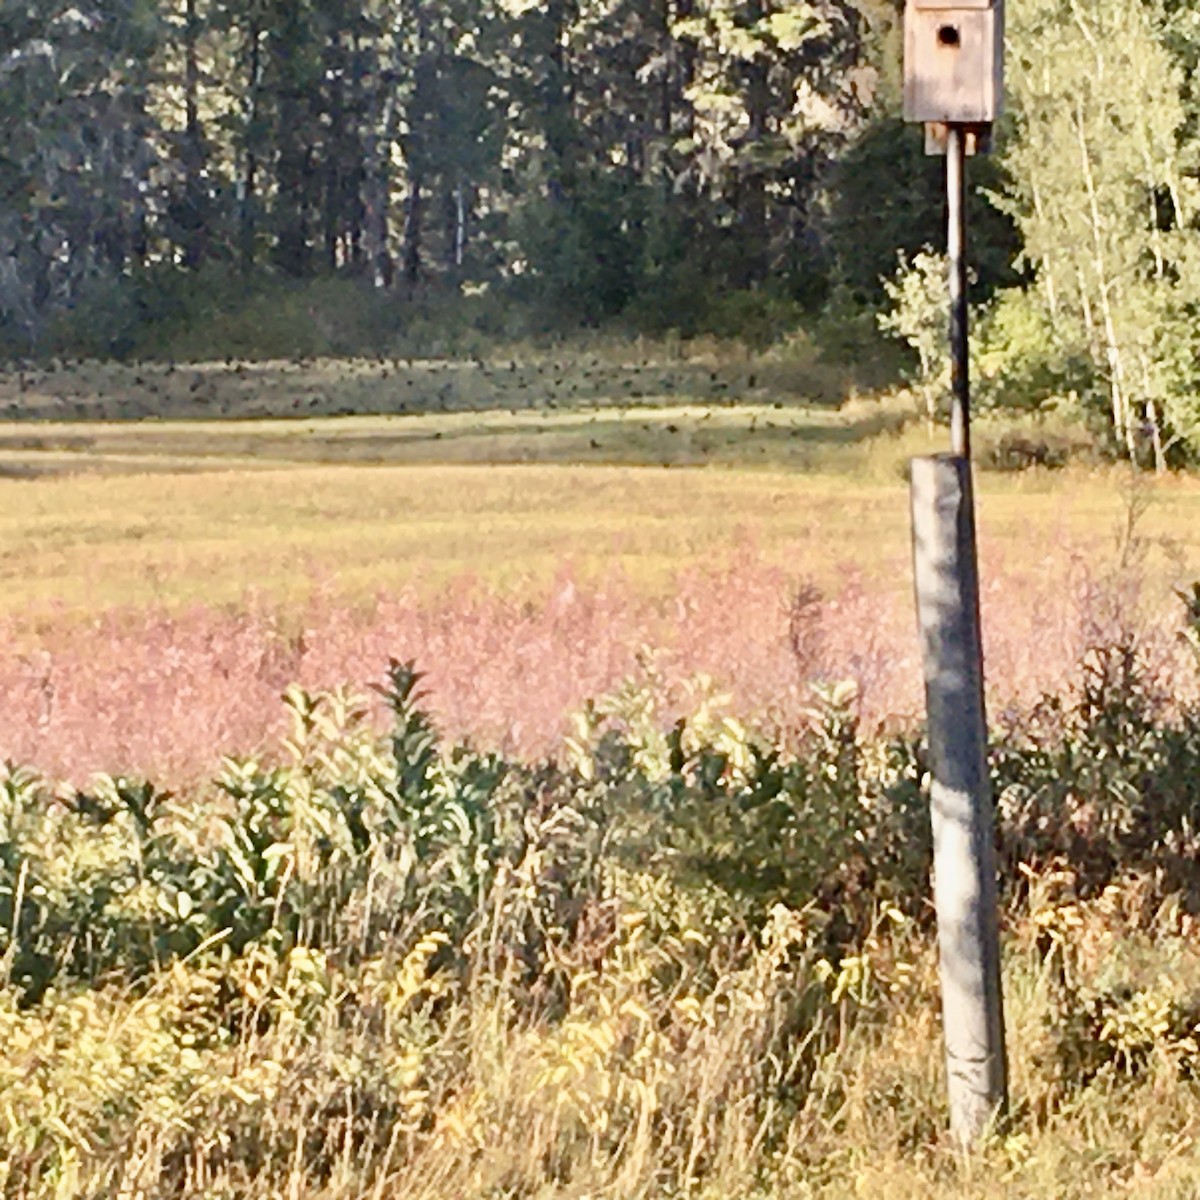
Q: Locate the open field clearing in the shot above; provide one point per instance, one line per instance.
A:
(90, 540)
(666, 434)
(172, 485)
(163, 580)
(152, 619)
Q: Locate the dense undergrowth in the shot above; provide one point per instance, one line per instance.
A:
(674, 959)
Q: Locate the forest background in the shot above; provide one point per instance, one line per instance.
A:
(268, 178)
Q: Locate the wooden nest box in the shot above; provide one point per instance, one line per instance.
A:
(954, 62)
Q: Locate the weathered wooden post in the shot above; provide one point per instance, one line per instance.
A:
(953, 83)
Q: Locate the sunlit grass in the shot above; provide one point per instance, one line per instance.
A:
(91, 540)
(668, 433)
(172, 486)
(569, 995)
(611, 374)
(523, 569)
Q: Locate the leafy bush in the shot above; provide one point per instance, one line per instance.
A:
(1021, 359)
(678, 956)
(757, 318)
(750, 825)
(343, 891)
(918, 313)
(1105, 778)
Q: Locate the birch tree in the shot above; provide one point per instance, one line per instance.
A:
(1104, 206)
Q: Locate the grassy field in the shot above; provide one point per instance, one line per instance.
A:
(161, 580)
(124, 485)
(604, 375)
(139, 520)
(668, 434)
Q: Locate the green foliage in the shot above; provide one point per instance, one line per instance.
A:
(886, 197)
(219, 313)
(918, 314)
(1097, 170)
(1022, 361)
(120, 877)
(585, 254)
(381, 956)
(354, 826)
(758, 318)
(847, 334)
(123, 877)
(748, 824)
(594, 157)
(252, 178)
(1105, 779)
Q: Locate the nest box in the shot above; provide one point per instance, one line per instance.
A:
(953, 61)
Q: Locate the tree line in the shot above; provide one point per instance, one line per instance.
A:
(665, 162)
(587, 144)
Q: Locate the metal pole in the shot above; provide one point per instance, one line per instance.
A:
(956, 251)
(947, 586)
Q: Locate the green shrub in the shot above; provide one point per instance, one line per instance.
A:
(918, 314)
(1021, 360)
(682, 954)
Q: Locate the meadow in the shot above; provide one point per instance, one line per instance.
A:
(165, 578)
(615, 882)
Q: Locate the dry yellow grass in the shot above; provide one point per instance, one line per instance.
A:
(124, 485)
(97, 540)
(647, 434)
(87, 541)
